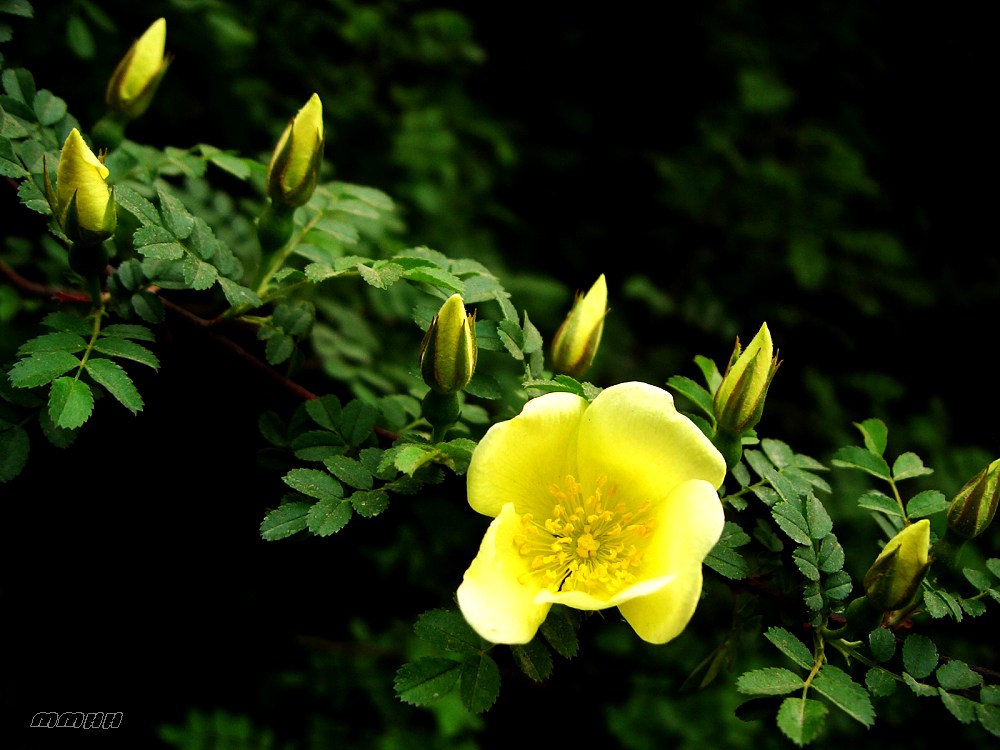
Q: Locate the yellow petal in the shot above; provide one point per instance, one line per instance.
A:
(690, 525)
(147, 60)
(493, 601)
(518, 460)
(81, 173)
(633, 434)
(306, 135)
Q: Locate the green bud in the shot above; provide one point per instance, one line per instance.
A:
(84, 206)
(294, 168)
(448, 352)
(739, 400)
(134, 81)
(576, 341)
(894, 578)
(971, 510)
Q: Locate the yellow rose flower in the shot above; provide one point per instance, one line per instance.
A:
(84, 208)
(576, 341)
(448, 351)
(739, 402)
(894, 578)
(609, 503)
(294, 168)
(136, 78)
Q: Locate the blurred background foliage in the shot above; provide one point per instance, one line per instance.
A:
(818, 167)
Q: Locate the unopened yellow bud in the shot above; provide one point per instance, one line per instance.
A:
(739, 401)
(134, 81)
(84, 208)
(972, 509)
(576, 341)
(448, 352)
(294, 169)
(894, 578)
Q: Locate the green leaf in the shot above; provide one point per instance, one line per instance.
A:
(820, 523)
(920, 656)
(284, 521)
(198, 274)
(790, 646)
(329, 516)
(942, 604)
(875, 435)
(806, 562)
(128, 331)
(325, 411)
(317, 445)
(727, 562)
(314, 483)
(692, 391)
(960, 707)
(830, 557)
(116, 381)
(369, 503)
(480, 682)
(71, 403)
(792, 522)
(237, 295)
(926, 503)
(138, 206)
(49, 108)
(853, 457)
(534, 659)
(61, 321)
(357, 421)
(879, 501)
(426, 679)
(409, 458)
(162, 251)
(989, 717)
(882, 644)
(919, 688)
(559, 630)
(956, 675)
(769, 681)
(63, 341)
(838, 585)
(801, 719)
(279, 347)
(13, 451)
(448, 630)
(114, 346)
(349, 471)
(41, 368)
(847, 695)
(909, 465)
(879, 682)
(436, 277)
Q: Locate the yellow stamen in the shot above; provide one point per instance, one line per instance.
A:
(587, 543)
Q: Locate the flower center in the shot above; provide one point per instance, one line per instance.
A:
(591, 542)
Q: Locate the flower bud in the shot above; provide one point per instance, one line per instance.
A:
(973, 507)
(294, 169)
(893, 579)
(84, 208)
(134, 81)
(576, 341)
(448, 352)
(739, 401)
